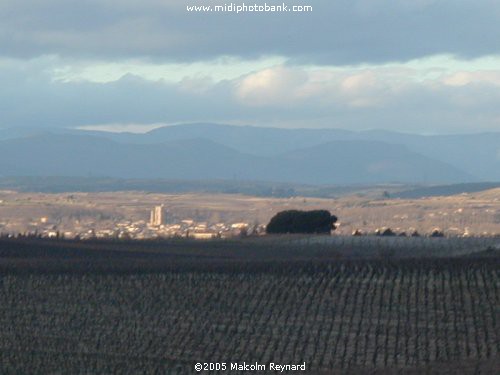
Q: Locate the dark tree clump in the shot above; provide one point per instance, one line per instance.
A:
(294, 221)
(385, 232)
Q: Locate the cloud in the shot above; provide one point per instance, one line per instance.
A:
(387, 97)
(335, 32)
(320, 87)
(272, 86)
(467, 78)
(112, 62)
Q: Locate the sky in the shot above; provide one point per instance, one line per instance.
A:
(416, 66)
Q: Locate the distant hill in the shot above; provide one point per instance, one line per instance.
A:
(83, 155)
(346, 162)
(491, 194)
(447, 190)
(337, 162)
(478, 155)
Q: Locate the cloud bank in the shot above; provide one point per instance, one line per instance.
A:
(335, 32)
(417, 66)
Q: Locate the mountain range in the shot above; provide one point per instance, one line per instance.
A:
(214, 151)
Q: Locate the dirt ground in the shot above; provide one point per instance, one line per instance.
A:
(474, 214)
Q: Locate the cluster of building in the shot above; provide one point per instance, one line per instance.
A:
(189, 228)
(386, 232)
(157, 227)
(163, 225)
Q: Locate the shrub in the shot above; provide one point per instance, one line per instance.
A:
(294, 221)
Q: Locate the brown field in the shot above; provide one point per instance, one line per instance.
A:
(342, 304)
(475, 214)
(159, 307)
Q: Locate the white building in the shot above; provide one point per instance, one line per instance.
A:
(157, 216)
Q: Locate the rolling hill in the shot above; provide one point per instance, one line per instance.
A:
(478, 155)
(336, 162)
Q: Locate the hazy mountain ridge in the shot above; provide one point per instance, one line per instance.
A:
(478, 155)
(488, 189)
(369, 162)
(80, 153)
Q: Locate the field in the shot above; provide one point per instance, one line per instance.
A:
(160, 307)
(474, 213)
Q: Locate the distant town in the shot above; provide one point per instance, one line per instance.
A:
(142, 215)
(157, 226)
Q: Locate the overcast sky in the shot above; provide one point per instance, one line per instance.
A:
(421, 66)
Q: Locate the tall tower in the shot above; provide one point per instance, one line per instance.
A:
(157, 216)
